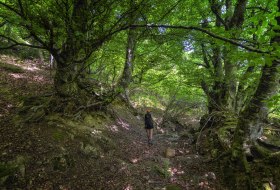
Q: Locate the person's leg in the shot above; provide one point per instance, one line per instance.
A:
(151, 134)
(148, 134)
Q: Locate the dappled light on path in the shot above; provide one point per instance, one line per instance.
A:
(34, 78)
(129, 187)
(17, 76)
(113, 128)
(96, 132)
(123, 124)
(120, 124)
(24, 77)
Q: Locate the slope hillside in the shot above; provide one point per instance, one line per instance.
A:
(105, 149)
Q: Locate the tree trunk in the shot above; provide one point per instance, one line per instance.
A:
(66, 80)
(230, 78)
(222, 95)
(218, 92)
(67, 73)
(250, 120)
(249, 126)
(128, 66)
(242, 92)
(130, 49)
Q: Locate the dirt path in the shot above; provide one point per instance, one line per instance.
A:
(149, 166)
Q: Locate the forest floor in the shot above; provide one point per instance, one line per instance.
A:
(106, 150)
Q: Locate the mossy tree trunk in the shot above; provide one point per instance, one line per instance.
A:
(127, 72)
(66, 79)
(129, 59)
(230, 78)
(250, 119)
(71, 32)
(243, 92)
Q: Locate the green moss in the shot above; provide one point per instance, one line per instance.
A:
(106, 144)
(89, 120)
(7, 169)
(11, 68)
(272, 137)
(172, 187)
(261, 151)
(59, 135)
(214, 153)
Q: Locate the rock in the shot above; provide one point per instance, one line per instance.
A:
(169, 152)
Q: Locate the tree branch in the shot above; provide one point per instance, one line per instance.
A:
(170, 10)
(18, 43)
(252, 49)
(216, 9)
(10, 8)
(205, 59)
(21, 8)
(260, 8)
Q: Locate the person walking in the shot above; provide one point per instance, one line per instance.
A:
(149, 126)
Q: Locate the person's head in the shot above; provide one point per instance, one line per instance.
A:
(148, 110)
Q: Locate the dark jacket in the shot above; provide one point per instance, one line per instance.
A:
(148, 121)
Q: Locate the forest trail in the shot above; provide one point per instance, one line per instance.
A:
(132, 165)
(170, 163)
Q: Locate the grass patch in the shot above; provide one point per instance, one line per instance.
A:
(11, 68)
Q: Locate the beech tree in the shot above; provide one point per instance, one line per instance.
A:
(70, 30)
